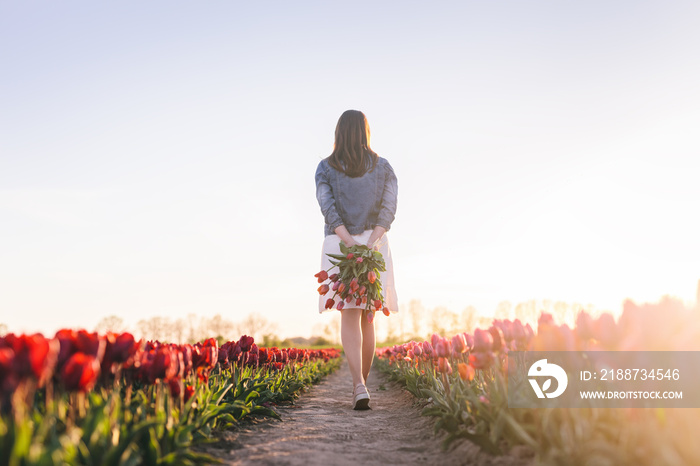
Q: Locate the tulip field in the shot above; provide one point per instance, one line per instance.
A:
(90, 399)
(463, 382)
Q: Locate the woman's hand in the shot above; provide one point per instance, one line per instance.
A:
(376, 235)
(344, 236)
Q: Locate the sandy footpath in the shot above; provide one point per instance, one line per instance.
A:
(322, 429)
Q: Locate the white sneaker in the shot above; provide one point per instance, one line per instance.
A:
(360, 399)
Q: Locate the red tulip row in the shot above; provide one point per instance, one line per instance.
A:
(77, 361)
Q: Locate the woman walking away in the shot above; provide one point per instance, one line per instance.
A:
(357, 190)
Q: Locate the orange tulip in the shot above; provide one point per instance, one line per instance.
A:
(466, 372)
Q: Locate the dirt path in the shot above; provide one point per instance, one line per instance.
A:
(322, 429)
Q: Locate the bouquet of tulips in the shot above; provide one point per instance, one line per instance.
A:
(357, 281)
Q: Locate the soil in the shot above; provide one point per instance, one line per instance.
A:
(321, 428)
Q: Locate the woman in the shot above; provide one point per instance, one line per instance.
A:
(356, 190)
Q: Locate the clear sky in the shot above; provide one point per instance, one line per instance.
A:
(157, 158)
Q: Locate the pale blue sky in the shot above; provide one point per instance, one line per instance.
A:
(158, 159)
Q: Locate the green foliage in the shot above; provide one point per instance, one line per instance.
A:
(476, 410)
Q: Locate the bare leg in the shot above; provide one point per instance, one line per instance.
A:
(351, 336)
(368, 346)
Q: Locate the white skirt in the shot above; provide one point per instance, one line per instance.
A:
(331, 245)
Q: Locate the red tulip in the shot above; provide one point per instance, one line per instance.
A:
(386, 312)
(370, 316)
(322, 276)
(350, 255)
(341, 288)
(119, 349)
(606, 331)
(481, 360)
(329, 303)
(359, 260)
(459, 343)
(444, 366)
(417, 349)
(545, 319)
(353, 284)
(175, 386)
(371, 276)
(34, 355)
(66, 338)
(323, 289)
(362, 291)
(189, 391)
(233, 351)
(483, 341)
(443, 348)
(164, 364)
(506, 327)
(122, 347)
(263, 356)
(80, 372)
(358, 301)
(252, 359)
(466, 372)
(186, 351)
(498, 339)
(334, 277)
(9, 379)
(90, 343)
(245, 343)
(519, 335)
(223, 356)
(584, 326)
(340, 305)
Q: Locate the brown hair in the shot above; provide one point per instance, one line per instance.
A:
(351, 152)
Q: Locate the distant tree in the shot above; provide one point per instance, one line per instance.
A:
(217, 325)
(416, 312)
(527, 312)
(256, 326)
(154, 328)
(443, 321)
(270, 340)
(468, 319)
(335, 328)
(191, 328)
(391, 336)
(563, 312)
(111, 324)
(320, 341)
(503, 310)
(178, 331)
